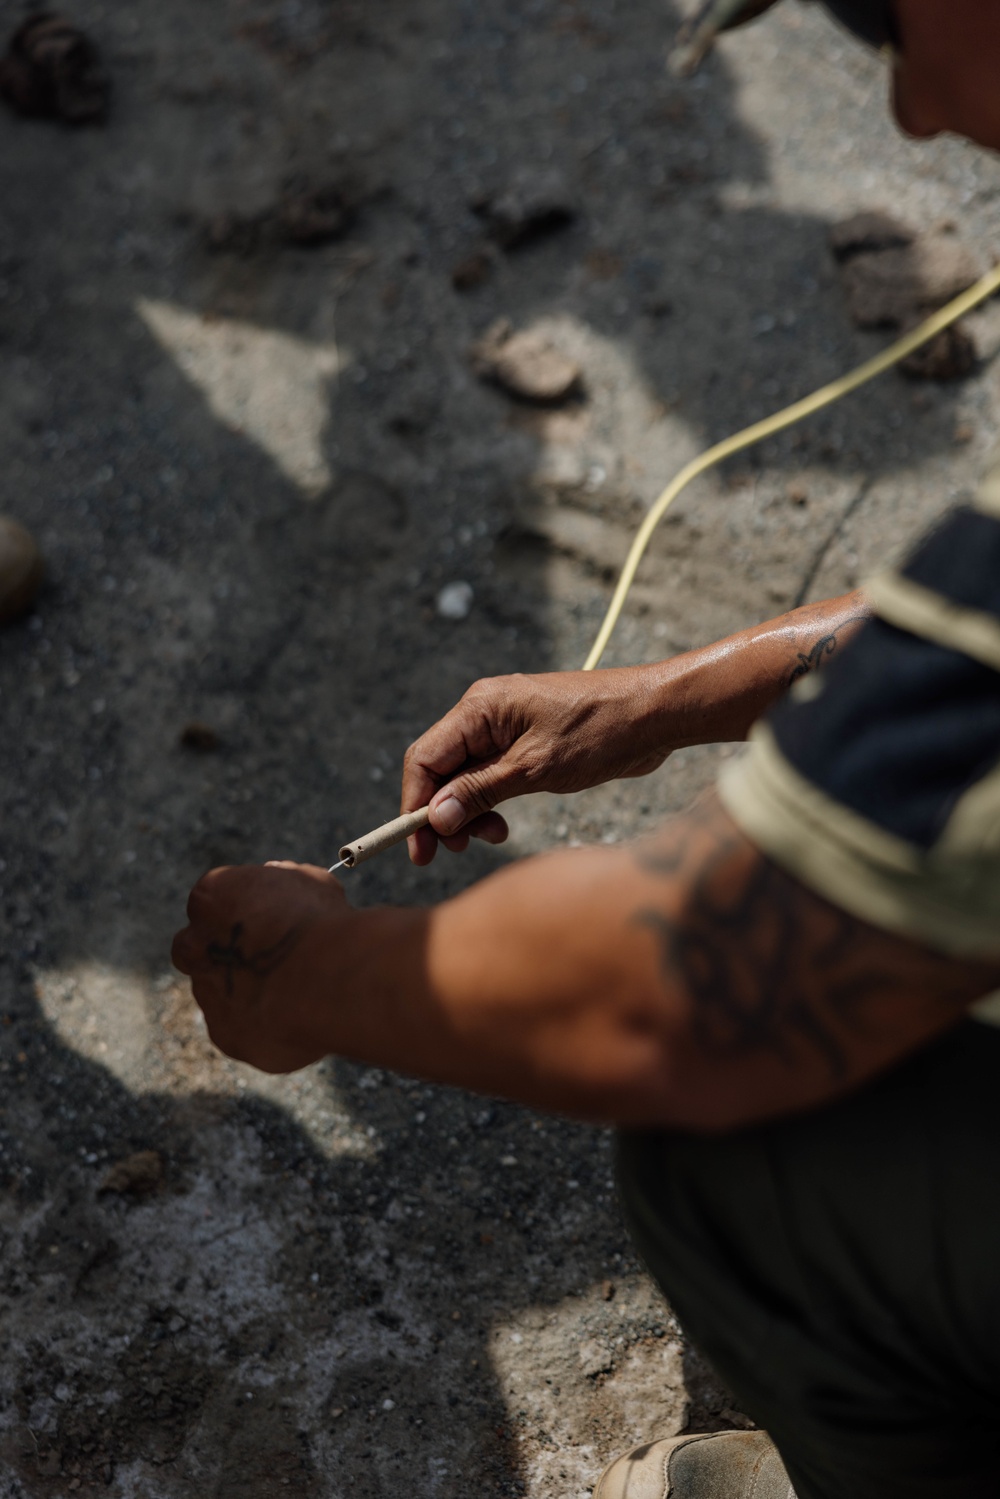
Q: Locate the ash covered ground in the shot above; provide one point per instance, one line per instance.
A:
(253, 464)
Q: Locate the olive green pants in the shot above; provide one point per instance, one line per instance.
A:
(841, 1270)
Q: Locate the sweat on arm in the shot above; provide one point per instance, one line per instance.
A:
(765, 952)
(685, 981)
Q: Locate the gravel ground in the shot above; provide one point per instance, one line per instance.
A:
(252, 470)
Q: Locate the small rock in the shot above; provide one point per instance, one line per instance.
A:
(607, 1290)
(893, 277)
(864, 232)
(885, 287)
(533, 204)
(525, 365)
(891, 274)
(736, 1418)
(314, 215)
(232, 233)
(951, 355)
(306, 216)
(797, 493)
(455, 601)
(52, 70)
(137, 1175)
(199, 736)
(21, 569)
(471, 272)
(602, 264)
(595, 1358)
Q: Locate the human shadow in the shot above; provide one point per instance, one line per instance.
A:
(363, 1290)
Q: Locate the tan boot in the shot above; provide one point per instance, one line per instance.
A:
(714, 1465)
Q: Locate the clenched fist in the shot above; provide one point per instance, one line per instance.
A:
(257, 950)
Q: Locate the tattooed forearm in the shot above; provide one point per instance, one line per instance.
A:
(822, 649)
(230, 956)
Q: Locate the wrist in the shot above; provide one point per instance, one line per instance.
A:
(693, 698)
(365, 981)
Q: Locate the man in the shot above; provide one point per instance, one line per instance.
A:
(772, 997)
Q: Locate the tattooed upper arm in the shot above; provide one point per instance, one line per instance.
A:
(779, 980)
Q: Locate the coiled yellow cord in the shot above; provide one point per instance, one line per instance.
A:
(777, 423)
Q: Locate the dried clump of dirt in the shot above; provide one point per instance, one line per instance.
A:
(525, 365)
(306, 215)
(200, 737)
(53, 70)
(532, 205)
(895, 276)
(138, 1175)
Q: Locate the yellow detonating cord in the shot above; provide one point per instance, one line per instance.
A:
(766, 428)
(394, 832)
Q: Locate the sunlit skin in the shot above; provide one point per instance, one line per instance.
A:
(946, 76)
(685, 982)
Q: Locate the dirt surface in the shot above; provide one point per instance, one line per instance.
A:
(254, 461)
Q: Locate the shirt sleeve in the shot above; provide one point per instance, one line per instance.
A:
(876, 782)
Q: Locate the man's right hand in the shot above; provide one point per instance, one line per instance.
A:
(559, 732)
(564, 731)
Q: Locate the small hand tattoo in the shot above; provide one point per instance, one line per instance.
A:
(260, 964)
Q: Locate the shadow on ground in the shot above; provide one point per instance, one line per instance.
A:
(252, 474)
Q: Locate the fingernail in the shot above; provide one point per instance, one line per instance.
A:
(449, 815)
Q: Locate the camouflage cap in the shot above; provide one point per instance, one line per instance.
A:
(871, 20)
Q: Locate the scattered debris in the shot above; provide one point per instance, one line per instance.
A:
(950, 356)
(305, 215)
(525, 365)
(894, 276)
(137, 1175)
(21, 569)
(602, 264)
(886, 288)
(869, 231)
(534, 204)
(200, 737)
(473, 271)
(314, 215)
(595, 1358)
(234, 233)
(52, 70)
(736, 1418)
(455, 601)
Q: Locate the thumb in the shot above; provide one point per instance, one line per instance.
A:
(476, 791)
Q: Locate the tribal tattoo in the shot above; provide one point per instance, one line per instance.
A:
(821, 650)
(769, 967)
(232, 957)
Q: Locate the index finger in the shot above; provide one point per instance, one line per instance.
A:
(463, 734)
